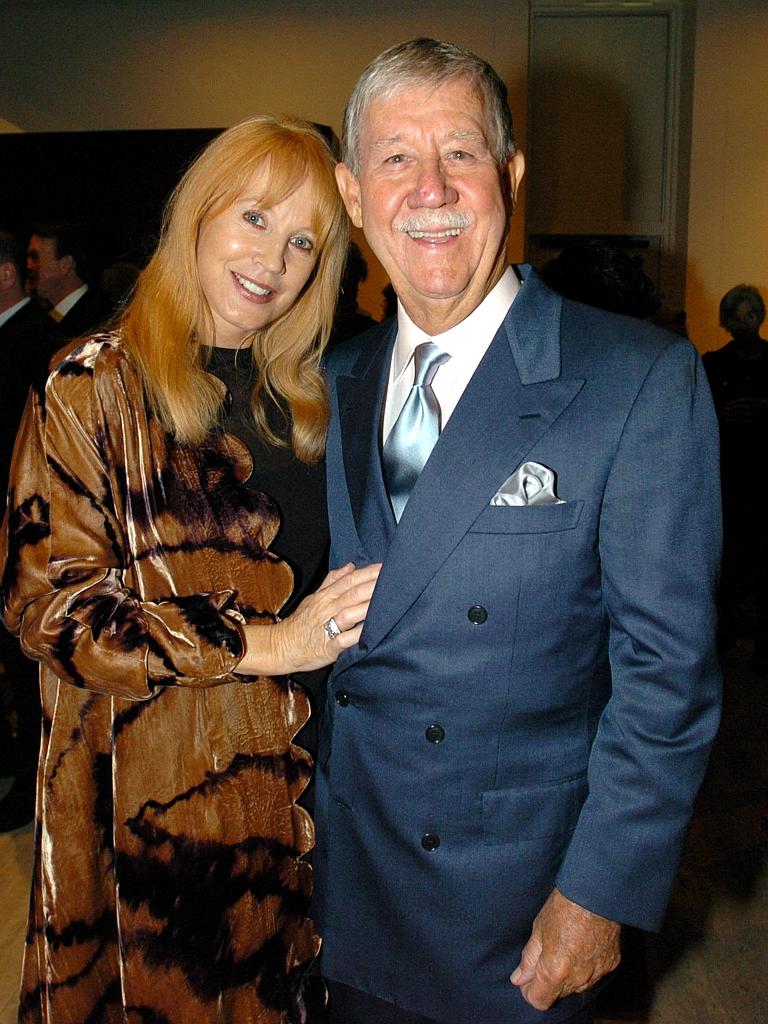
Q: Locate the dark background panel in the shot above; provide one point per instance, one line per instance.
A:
(116, 182)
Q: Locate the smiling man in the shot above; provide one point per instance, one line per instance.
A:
(511, 753)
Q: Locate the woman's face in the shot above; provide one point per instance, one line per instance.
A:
(253, 261)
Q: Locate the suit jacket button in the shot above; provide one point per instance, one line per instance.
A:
(477, 615)
(435, 733)
(430, 841)
(342, 698)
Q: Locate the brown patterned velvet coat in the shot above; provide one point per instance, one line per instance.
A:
(168, 884)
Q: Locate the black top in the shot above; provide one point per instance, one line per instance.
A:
(297, 489)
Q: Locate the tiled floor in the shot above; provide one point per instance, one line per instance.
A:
(710, 963)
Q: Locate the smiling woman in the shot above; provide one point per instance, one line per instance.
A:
(254, 261)
(162, 550)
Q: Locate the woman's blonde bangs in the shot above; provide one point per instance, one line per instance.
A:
(283, 155)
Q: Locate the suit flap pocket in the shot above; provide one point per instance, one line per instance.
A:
(527, 518)
(532, 812)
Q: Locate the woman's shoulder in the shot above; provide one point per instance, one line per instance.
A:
(97, 352)
(98, 364)
(98, 359)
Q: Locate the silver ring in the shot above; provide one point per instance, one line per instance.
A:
(331, 628)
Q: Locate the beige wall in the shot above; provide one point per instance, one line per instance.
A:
(121, 64)
(728, 223)
(191, 63)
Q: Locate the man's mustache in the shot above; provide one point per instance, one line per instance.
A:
(444, 220)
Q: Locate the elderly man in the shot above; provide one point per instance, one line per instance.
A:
(511, 754)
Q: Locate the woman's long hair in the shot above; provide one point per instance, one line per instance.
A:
(168, 324)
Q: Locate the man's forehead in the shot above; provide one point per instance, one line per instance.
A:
(411, 110)
(387, 138)
(412, 96)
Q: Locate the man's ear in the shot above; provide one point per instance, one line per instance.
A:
(349, 187)
(515, 169)
(8, 276)
(67, 263)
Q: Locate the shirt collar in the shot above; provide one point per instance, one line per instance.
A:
(8, 313)
(483, 321)
(68, 301)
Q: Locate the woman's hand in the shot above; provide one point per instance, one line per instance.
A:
(301, 642)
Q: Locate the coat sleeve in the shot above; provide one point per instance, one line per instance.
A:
(64, 554)
(659, 546)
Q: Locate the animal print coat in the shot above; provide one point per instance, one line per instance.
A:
(168, 885)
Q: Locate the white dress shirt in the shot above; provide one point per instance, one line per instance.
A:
(466, 343)
(63, 307)
(13, 309)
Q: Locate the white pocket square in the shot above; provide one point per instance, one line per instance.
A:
(532, 484)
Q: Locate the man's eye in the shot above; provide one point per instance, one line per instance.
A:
(459, 154)
(396, 158)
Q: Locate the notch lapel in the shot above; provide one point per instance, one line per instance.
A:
(360, 397)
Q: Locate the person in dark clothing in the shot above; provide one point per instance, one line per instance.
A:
(61, 270)
(28, 339)
(738, 376)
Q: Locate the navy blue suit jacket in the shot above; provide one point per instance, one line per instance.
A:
(565, 651)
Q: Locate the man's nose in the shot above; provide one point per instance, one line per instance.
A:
(432, 189)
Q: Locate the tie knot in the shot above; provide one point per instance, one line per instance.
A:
(426, 359)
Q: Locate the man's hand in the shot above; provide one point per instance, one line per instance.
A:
(570, 949)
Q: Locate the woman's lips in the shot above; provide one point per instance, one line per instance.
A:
(252, 289)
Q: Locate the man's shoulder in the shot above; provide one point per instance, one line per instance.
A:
(615, 339)
(31, 318)
(595, 343)
(29, 339)
(90, 311)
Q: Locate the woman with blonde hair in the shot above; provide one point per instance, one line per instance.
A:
(165, 524)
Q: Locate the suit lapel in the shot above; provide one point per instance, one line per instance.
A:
(512, 400)
(360, 398)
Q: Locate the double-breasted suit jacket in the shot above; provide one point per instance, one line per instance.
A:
(536, 688)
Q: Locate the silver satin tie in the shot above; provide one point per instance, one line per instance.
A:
(416, 429)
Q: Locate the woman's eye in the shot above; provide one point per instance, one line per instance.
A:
(253, 217)
(300, 242)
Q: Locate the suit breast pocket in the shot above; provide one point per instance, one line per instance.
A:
(532, 812)
(528, 518)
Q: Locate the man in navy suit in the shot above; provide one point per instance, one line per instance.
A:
(510, 755)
